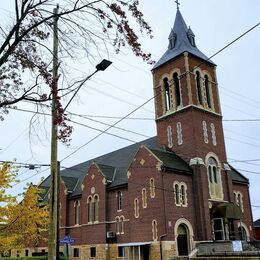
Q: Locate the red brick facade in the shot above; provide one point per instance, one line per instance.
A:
(170, 197)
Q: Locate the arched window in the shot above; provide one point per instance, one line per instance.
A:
(152, 188)
(180, 194)
(154, 230)
(89, 201)
(136, 208)
(205, 132)
(183, 195)
(167, 94)
(215, 187)
(96, 207)
(144, 198)
(76, 212)
(117, 225)
(119, 200)
(177, 89)
(238, 199)
(207, 89)
(177, 194)
(213, 134)
(169, 136)
(198, 83)
(179, 133)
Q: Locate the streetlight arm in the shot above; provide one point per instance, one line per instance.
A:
(103, 65)
(79, 87)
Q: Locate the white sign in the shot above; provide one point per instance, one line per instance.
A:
(237, 246)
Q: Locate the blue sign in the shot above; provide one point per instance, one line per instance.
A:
(67, 240)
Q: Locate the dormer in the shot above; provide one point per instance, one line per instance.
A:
(172, 40)
(191, 37)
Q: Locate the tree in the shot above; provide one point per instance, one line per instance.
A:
(7, 176)
(85, 27)
(24, 223)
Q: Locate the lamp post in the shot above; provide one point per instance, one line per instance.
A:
(53, 241)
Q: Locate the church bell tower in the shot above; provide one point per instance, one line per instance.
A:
(187, 107)
(189, 121)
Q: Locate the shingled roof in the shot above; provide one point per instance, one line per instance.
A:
(181, 33)
(171, 161)
(237, 176)
(257, 223)
(114, 166)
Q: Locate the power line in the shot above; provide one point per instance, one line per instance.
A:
(26, 165)
(249, 160)
(253, 172)
(99, 130)
(26, 179)
(242, 120)
(157, 94)
(229, 44)
(242, 142)
(128, 118)
(104, 131)
(115, 127)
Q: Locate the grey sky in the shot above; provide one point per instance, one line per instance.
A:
(128, 84)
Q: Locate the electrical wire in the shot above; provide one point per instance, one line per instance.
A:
(126, 130)
(222, 49)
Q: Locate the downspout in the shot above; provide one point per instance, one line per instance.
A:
(107, 248)
(164, 209)
(251, 214)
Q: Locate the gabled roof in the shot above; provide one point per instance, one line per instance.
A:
(108, 171)
(182, 43)
(114, 166)
(257, 223)
(70, 182)
(237, 176)
(171, 161)
(117, 161)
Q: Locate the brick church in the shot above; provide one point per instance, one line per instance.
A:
(163, 196)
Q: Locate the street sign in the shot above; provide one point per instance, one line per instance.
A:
(67, 240)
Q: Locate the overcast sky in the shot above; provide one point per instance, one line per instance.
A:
(128, 84)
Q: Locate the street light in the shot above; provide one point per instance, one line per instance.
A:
(53, 248)
(103, 65)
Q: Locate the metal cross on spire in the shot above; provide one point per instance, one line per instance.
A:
(177, 2)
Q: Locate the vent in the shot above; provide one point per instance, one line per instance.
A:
(111, 234)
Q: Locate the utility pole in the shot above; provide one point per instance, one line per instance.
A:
(53, 241)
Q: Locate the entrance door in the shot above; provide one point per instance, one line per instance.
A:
(218, 229)
(182, 240)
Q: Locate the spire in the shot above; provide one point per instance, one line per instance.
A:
(181, 39)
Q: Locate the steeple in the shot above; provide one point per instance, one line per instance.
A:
(181, 39)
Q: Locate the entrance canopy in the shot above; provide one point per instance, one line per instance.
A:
(227, 210)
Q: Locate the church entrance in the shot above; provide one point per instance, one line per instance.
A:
(182, 240)
(223, 216)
